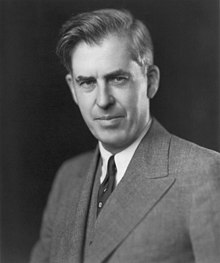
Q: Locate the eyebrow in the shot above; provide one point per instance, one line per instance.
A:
(107, 76)
(83, 78)
(117, 73)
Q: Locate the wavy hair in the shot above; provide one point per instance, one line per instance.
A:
(92, 27)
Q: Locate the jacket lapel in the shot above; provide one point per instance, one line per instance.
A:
(92, 215)
(145, 182)
(75, 232)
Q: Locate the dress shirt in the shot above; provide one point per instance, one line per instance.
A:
(123, 158)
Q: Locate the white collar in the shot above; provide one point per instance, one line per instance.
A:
(123, 158)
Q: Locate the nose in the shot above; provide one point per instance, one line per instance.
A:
(104, 97)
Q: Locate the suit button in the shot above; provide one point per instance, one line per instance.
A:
(100, 204)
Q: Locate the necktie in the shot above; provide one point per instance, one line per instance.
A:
(108, 184)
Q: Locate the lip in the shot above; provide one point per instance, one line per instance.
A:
(108, 117)
(109, 120)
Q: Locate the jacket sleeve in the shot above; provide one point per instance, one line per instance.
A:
(41, 251)
(205, 213)
(68, 180)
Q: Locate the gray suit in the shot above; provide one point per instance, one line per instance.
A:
(165, 209)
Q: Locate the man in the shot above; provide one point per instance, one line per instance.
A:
(144, 195)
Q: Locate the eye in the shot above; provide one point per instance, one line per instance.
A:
(87, 84)
(118, 80)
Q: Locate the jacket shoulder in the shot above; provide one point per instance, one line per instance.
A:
(188, 155)
(185, 147)
(76, 164)
(71, 172)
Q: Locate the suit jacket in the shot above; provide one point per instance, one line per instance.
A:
(165, 209)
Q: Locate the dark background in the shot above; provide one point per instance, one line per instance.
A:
(40, 125)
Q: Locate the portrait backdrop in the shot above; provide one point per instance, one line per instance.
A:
(41, 126)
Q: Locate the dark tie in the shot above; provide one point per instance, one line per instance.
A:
(108, 184)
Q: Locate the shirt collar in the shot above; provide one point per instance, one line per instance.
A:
(123, 158)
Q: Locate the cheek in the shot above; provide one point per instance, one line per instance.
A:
(137, 106)
(85, 111)
(84, 102)
(130, 101)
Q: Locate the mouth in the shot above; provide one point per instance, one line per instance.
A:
(108, 117)
(109, 121)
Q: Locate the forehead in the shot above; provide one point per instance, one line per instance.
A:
(112, 53)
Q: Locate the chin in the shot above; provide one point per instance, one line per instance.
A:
(113, 145)
(114, 139)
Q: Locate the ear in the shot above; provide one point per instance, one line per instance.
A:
(69, 80)
(153, 75)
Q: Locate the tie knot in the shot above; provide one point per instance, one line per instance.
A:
(111, 165)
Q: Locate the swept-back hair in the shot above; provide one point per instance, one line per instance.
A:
(92, 27)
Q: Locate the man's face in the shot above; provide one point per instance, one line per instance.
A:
(111, 91)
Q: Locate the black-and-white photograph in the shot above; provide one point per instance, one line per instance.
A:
(110, 131)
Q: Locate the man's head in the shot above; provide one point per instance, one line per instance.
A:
(109, 57)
